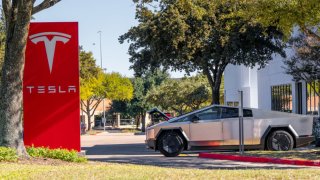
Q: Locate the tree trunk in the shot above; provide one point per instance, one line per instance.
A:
(11, 129)
(89, 121)
(143, 128)
(88, 115)
(137, 121)
(216, 90)
(214, 77)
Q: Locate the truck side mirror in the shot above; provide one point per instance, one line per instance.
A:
(195, 119)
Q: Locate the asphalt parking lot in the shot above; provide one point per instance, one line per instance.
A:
(130, 148)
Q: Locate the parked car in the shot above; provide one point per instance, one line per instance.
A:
(217, 127)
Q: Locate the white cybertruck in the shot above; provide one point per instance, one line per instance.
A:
(217, 127)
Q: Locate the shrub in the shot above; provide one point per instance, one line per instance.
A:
(62, 154)
(8, 154)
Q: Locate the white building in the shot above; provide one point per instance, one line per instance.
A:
(269, 88)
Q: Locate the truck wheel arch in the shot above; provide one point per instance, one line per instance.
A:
(272, 128)
(179, 131)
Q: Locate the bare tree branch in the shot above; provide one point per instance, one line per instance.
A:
(92, 104)
(90, 101)
(83, 105)
(310, 33)
(95, 106)
(44, 5)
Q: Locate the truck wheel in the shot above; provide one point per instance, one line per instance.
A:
(170, 144)
(280, 140)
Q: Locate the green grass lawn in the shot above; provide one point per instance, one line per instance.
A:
(123, 171)
(312, 154)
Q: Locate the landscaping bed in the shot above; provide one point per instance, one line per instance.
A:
(40, 154)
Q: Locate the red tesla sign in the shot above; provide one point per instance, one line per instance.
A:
(51, 86)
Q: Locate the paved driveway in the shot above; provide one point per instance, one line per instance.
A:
(129, 148)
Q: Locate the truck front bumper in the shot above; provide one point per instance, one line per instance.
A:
(150, 143)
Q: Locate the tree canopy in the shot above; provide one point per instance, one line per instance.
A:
(284, 14)
(138, 105)
(95, 85)
(198, 35)
(181, 95)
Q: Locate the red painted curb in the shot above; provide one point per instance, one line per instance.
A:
(259, 159)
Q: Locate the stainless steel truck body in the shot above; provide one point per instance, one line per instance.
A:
(217, 127)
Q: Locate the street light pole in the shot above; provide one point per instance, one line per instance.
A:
(104, 112)
(99, 32)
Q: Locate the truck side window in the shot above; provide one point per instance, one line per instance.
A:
(230, 112)
(210, 114)
(247, 113)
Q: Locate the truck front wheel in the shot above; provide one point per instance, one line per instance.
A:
(170, 144)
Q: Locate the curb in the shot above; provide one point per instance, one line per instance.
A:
(82, 153)
(260, 159)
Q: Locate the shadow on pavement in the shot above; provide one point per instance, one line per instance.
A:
(138, 154)
(119, 149)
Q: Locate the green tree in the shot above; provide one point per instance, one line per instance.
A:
(95, 86)
(138, 106)
(284, 14)
(88, 67)
(111, 86)
(198, 35)
(142, 85)
(17, 15)
(117, 87)
(181, 95)
(91, 88)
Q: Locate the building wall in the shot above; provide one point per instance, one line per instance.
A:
(256, 83)
(273, 74)
(99, 110)
(241, 78)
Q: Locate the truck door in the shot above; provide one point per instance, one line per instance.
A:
(206, 128)
(231, 126)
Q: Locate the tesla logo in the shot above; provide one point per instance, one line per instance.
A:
(51, 89)
(50, 45)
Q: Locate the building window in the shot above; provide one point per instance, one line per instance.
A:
(234, 104)
(313, 90)
(281, 98)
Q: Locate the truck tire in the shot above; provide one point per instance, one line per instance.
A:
(280, 140)
(170, 144)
